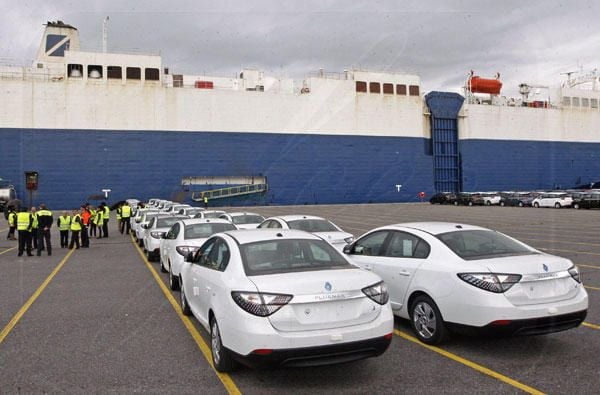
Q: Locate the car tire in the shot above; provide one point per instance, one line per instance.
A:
(536, 205)
(520, 204)
(185, 306)
(221, 357)
(470, 203)
(426, 321)
(162, 265)
(173, 281)
(502, 204)
(576, 206)
(556, 205)
(456, 203)
(488, 203)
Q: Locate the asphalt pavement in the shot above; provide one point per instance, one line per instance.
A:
(101, 320)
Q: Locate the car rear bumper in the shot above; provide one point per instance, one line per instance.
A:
(524, 327)
(316, 356)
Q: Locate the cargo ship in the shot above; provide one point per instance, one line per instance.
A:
(94, 125)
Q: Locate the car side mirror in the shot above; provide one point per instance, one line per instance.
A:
(189, 257)
(144, 226)
(348, 248)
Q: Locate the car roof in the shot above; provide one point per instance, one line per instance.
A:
(287, 218)
(434, 228)
(192, 221)
(254, 235)
(238, 213)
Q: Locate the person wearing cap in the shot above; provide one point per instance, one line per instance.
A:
(24, 224)
(64, 225)
(45, 221)
(75, 229)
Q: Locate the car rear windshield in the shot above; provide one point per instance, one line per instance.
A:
(193, 211)
(202, 231)
(290, 255)
(313, 225)
(247, 219)
(166, 222)
(482, 244)
(213, 214)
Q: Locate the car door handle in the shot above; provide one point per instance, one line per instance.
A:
(368, 267)
(207, 289)
(404, 273)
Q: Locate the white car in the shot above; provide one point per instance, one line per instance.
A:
(190, 211)
(186, 236)
(277, 297)
(137, 218)
(174, 208)
(209, 214)
(140, 228)
(444, 276)
(491, 198)
(553, 199)
(158, 226)
(244, 220)
(321, 227)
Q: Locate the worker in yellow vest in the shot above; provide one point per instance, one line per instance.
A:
(75, 229)
(205, 199)
(93, 225)
(45, 220)
(106, 217)
(99, 220)
(64, 225)
(125, 218)
(118, 210)
(24, 224)
(12, 223)
(34, 228)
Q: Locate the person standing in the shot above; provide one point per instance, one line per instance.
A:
(85, 219)
(12, 223)
(45, 221)
(24, 224)
(119, 218)
(93, 226)
(205, 199)
(34, 228)
(125, 218)
(64, 225)
(106, 217)
(75, 229)
(99, 220)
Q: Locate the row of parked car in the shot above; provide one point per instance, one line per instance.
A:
(557, 199)
(297, 290)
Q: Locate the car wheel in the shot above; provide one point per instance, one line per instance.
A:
(456, 203)
(502, 204)
(488, 203)
(162, 265)
(470, 203)
(185, 307)
(426, 321)
(536, 205)
(557, 205)
(576, 206)
(220, 355)
(173, 281)
(520, 204)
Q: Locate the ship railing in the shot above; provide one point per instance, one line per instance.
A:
(26, 75)
(237, 190)
(332, 75)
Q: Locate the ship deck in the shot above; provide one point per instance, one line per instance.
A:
(103, 320)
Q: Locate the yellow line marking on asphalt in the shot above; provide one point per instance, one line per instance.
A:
(592, 266)
(230, 386)
(575, 252)
(593, 326)
(32, 299)
(472, 365)
(10, 249)
(594, 288)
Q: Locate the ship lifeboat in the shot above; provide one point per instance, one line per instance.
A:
(477, 84)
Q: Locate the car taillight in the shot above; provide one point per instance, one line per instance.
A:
(185, 250)
(574, 272)
(157, 235)
(259, 303)
(492, 282)
(377, 292)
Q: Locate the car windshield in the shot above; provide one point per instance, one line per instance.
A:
(203, 231)
(247, 219)
(289, 255)
(482, 244)
(313, 225)
(166, 222)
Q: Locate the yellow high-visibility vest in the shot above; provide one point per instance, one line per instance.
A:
(75, 225)
(125, 211)
(65, 222)
(23, 221)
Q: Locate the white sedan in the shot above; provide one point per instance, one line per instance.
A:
(449, 277)
(277, 297)
(244, 220)
(186, 236)
(321, 227)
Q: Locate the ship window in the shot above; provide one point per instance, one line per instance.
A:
(566, 101)
(585, 102)
(361, 86)
(75, 70)
(151, 74)
(594, 103)
(114, 72)
(401, 89)
(94, 71)
(134, 73)
(575, 102)
(388, 89)
(52, 40)
(413, 90)
(177, 81)
(374, 87)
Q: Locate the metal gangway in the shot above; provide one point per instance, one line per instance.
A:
(237, 190)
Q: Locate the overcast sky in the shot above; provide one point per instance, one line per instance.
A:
(441, 41)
